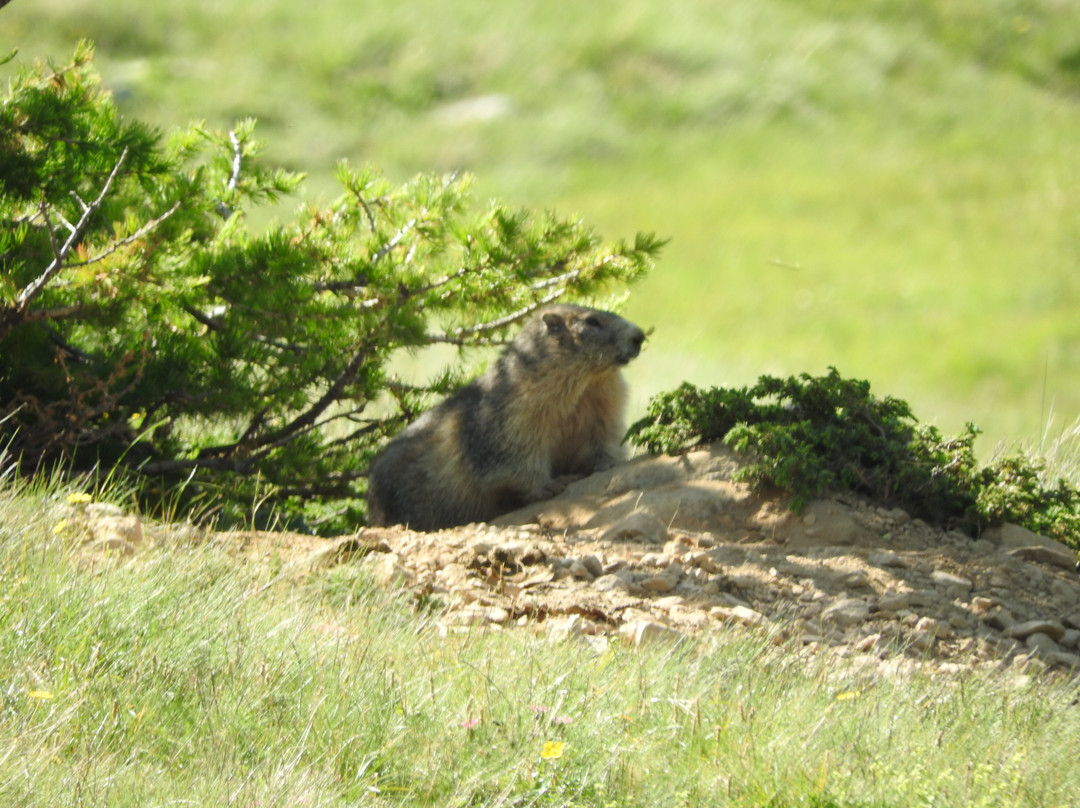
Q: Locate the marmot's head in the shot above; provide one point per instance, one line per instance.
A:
(603, 338)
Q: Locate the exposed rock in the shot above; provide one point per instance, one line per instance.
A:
(662, 547)
(1058, 556)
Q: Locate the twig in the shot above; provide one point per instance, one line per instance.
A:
(367, 210)
(396, 240)
(33, 289)
(223, 210)
(459, 336)
(237, 157)
(138, 234)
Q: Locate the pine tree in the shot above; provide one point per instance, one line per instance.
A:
(144, 327)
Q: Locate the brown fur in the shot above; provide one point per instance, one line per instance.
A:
(550, 407)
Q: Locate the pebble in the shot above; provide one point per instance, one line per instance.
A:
(637, 526)
(1051, 628)
(648, 632)
(886, 558)
(935, 628)
(743, 615)
(659, 583)
(921, 641)
(1001, 619)
(893, 602)
(580, 571)
(847, 612)
(947, 580)
(1042, 643)
(1064, 591)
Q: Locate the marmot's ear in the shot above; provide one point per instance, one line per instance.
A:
(553, 322)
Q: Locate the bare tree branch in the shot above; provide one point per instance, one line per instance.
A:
(460, 335)
(223, 210)
(33, 289)
(138, 234)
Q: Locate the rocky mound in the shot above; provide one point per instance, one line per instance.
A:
(663, 546)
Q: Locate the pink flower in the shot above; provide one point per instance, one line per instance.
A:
(471, 723)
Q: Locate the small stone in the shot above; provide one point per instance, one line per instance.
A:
(748, 617)
(480, 547)
(610, 583)
(899, 516)
(959, 622)
(647, 632)
(669, 602)
(886, 558)
(114, 533)
(935, 628)
(659, 583)
(593, 565)
(1064, 591)
(565, 627)
(921, 641)
(857, 579)
(1001, 619)
(1063, 658)
(1070, 639)
(743, 615)
(867, 643)
(982, 605)
(1042, 643)
(638, 526)
(894, 602)
(947, 580)
(1073, 620)
(387, 572)
(476, 616)
(1051, 628)
(580, 571)
(847, 612)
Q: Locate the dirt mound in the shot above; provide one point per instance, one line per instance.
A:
(663, 546)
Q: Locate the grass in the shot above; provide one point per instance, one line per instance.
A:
(883, 187)
(179, 677)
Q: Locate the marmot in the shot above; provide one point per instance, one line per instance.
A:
(551, 405)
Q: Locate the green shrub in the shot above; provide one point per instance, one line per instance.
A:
(144, 326)
(815, 435)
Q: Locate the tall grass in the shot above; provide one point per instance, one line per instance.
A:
(177, 676)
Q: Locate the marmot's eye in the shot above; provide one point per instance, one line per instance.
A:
(593, 320)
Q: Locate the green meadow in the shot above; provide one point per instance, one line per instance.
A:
(891, 188)
(184, 676)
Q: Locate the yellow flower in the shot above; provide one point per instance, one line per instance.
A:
(79, 498)
(40, 695)
(59, 528)
(847, 695)
(552, 750)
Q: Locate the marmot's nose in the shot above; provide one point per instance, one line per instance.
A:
(635, 341)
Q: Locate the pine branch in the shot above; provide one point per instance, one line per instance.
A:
(33, 289)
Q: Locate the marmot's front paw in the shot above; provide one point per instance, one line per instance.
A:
(555, 487)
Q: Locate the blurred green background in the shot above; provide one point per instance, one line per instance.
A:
(892, 188)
